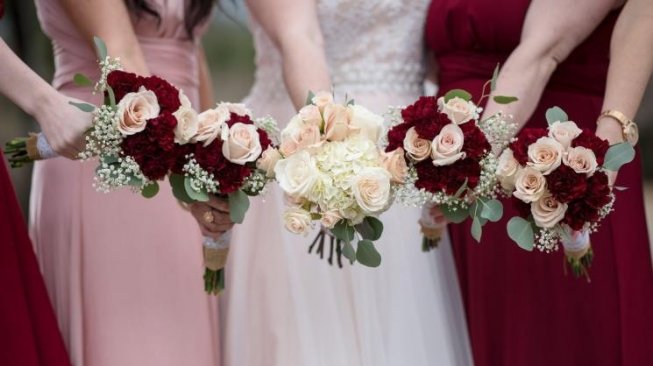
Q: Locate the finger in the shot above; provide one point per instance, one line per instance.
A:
(221, 218)
(220, 204)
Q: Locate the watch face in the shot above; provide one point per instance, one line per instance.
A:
(631, 133)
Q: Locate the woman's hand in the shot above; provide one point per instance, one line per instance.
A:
(212, 217)
(64, 125)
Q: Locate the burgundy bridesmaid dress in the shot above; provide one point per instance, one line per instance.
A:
(522, 309)
(29, 335)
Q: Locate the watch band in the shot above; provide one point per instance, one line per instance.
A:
(628, 127)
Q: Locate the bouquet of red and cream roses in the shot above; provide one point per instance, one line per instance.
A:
(332, 171)
(449, 157)
(557, 178)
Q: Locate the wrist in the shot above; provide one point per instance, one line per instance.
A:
(609, 129)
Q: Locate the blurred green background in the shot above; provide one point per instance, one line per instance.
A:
(231, 58)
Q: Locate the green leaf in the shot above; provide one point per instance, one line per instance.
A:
(491, 209)
(84, 107)
(618, 155)
(112, 96)
(477, 229)
(371, 228)
(343, 231)
(349, 252)
(367, 255)
(493, 81)
(201, 196)
(238, 206)
(309, 97)
(455, 216)
(100, 48)
(556, 114)
(457, 93)
(179, 189)
(109, 159)
(150, 190)
(461, 190)
(504, 99)
(351, 102)
(475, 209)
(82, 80)
(521, 232)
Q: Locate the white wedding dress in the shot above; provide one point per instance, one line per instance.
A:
(285, 307)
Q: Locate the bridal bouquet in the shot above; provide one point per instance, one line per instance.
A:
(332, 171)
(449, 157)
(228, 157)
(557, 177)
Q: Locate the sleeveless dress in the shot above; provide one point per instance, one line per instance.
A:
(286, 307)
(521, 307)
(124, 273)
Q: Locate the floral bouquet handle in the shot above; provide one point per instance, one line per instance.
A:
(24, 150)
(215, 259)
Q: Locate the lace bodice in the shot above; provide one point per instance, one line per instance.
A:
(372, 46)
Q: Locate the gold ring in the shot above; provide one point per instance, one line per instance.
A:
(208, 217)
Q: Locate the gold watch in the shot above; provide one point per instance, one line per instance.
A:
(628, 127)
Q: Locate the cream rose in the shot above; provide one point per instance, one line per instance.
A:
(447, 146)
(297, 221)
(371, 187)
(268, 161)
(395, 164)
(330, 219)
(507, 168)
(366, 123)
(297, 174)
(545, 155)
(298, 135)
(210, 125)
(311, 115)
(564, 132)
(241, 143)
(417, 148)
(530, 185)
(236, 108)
(187, 122)
(134, 109)
(458, 110)
(547, 211)
(581, 159)
(336, 122)
(322, 99)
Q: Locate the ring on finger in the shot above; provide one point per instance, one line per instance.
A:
(208, 217)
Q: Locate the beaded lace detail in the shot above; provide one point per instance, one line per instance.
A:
(372, 46)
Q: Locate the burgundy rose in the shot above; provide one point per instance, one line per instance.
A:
(578, 213)
(166, 94)
(424, 116)
(565, 184)
(589, 140)
(396, 136)
(122, 82)
(476, 144)
(210, 158)
(448, 178)
(527, 137)
(231, 178)
(523, 208)
(154, 161)
(598, 190)
(181, 151)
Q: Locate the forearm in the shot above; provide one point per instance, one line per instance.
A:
(631, 64)
(207, 96)
(304, 68)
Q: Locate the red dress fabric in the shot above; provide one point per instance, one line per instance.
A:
(29, 335)
(522, 309)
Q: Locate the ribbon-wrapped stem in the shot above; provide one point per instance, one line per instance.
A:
(215, 259)
(432, 225)
(578, 253)
(26, 150)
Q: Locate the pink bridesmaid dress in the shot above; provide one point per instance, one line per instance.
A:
(124, 273)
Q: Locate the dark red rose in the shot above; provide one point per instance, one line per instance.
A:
(591, 141)
(578, 213)
(598, 190)
(210, 158)
(523, 208)
(123, 82)
(424, 116)
(525, 138)
(565, 184)
(396, 136)
(231, 178)
(151, 158)
(166, 94)
(476, 144)
(181, 153)
(162, 131)
(448, 178)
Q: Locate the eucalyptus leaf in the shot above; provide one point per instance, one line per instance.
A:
(455, 216)
(349, 252)
(556, 114)
(367, 255)
(521, 232)
(201, 196)
(371, 228)
(100, 48)
(461, 190)
(82, 80)
(351, 102)
(477, 229)
(495, 76)
(179, 189)
(504, 99)
(135, 182)
(457, 93)
(618, 155)
(238, 206)
(112, 96)
(491, 209)
(309, 98)
(343, 231)
(475, 209)
(150, 190)
(109, 159)
(84, 107)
